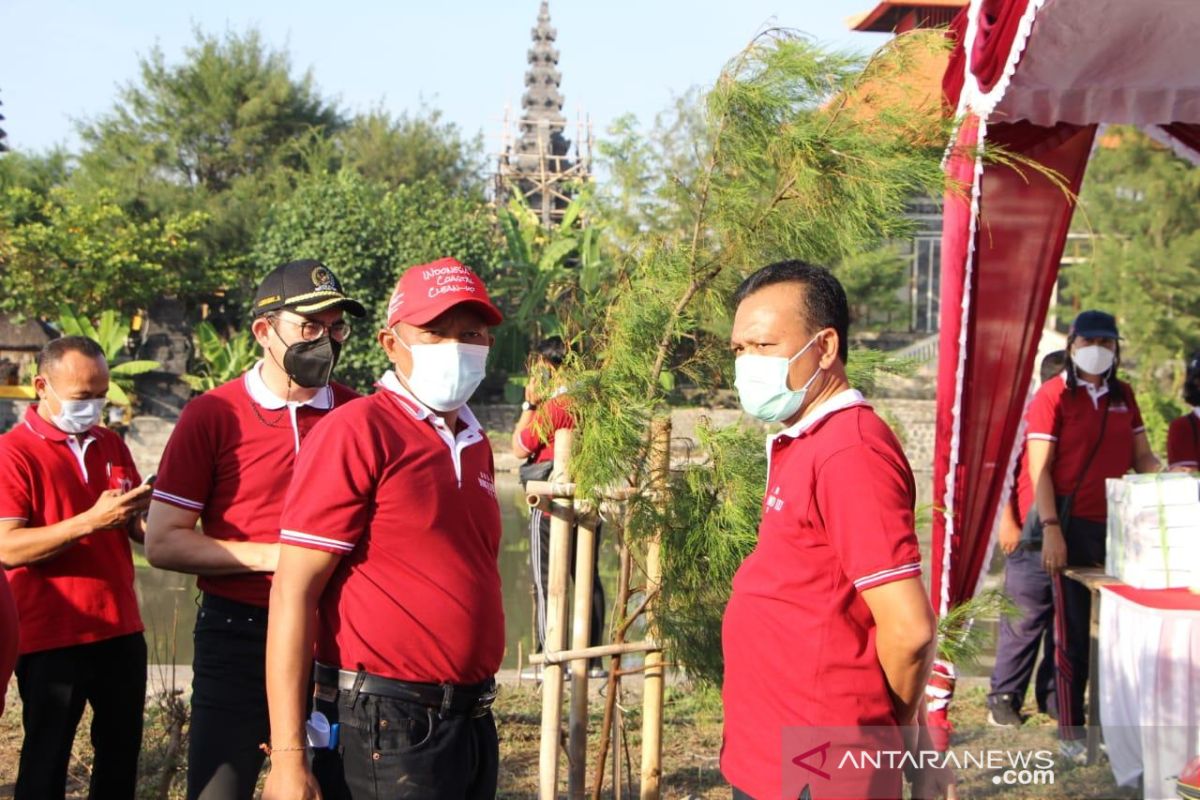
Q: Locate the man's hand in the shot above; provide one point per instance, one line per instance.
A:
(1010, 532)
(114, 508)
(290, 778)
(1054, 549)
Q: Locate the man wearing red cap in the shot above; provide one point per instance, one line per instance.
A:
(227, 465)
(388, 564)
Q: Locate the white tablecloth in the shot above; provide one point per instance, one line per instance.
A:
(1149, 676)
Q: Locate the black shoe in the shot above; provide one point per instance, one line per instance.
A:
(1001, 712)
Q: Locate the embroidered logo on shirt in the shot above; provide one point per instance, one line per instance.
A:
(774, 501)
(487, 483)
(1121, 409)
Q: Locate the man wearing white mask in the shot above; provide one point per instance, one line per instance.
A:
(391, 531)
(828, 625)
(70, 501)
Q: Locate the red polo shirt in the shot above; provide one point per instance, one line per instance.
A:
(85, 593)
(1183, 441)
(798, 639)
(8, 635)
(230, 459)
(412, 510)
(551, 416)
(1071, 419)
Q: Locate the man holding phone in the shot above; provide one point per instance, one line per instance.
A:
(69, 504)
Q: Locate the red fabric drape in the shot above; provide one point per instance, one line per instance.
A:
(1186, 133)
(997, 29)
(1021, 231)
(953, 78)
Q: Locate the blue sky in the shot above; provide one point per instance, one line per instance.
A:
(62, 61)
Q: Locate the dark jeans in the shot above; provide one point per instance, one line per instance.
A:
(229, 700)
(539, 556)
(1072, 623)
(1028, 586)
(395, 750)
(55, 685)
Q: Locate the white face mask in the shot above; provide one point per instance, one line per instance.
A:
(444, 376)
(1094, 359)
(76, 416)
(762, 387)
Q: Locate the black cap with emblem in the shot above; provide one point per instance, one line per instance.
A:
(305, 287)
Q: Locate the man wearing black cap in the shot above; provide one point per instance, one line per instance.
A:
(228, 464)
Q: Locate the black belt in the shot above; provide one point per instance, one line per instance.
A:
(447, 698)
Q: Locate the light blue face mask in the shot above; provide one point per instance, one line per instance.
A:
(761, 382)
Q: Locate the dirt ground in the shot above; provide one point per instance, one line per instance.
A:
(691, 744)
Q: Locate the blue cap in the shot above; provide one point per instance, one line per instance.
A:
(1095, 325)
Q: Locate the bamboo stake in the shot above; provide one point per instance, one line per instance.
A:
(599, 651)
(614, 673)
(556, 621)
(581, 631)
(652, 687)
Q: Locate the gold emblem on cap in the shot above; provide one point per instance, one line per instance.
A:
(322, 279)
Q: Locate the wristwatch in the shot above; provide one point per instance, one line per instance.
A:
(528, 406)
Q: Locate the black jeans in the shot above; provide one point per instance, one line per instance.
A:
(391, 749)
(109, 675)
(1072, 621)
(229, 700)
(1028, 585)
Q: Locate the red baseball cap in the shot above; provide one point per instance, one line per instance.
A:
(427, 290)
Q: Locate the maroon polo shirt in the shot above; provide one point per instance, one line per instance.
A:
(1072, 420)
(551, 416)
(411, 508)
(1183, 441)
(798, 639)
(230, 460)
(85, 593)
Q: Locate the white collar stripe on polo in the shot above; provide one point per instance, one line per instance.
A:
(456, 443)
(262, 396)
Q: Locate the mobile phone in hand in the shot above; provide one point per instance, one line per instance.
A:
(150, 479)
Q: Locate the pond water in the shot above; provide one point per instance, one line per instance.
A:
(169, 599)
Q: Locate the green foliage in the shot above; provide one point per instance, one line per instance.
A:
(88, 249)
(411, 148)
(221, 132)
(545, 278)
(111, 332)
(37, 172)
(960, 640)
(1142, 205)
(219, 360)
(1159, 408)
(368, 233)
(785, 170)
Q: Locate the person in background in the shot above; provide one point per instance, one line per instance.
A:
(388, 565)
(8, 636)
(1028, 586)
(1082, 429)
(70, 501)
(227, 466)
(547, 409)
(828, 624)
(1183, 436)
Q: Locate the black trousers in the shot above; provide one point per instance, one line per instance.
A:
(1072, 625)
(1029, 587)
(391, 749)
(55, 685)
(539, 557)
(229, 700)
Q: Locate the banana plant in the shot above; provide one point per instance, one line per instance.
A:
(111, 332)
(220, 360)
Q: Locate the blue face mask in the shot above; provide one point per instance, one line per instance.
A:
(761, 382)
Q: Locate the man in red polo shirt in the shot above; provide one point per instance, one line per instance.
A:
(227, 465)
(70, 500)
(391, 531)
(828, 625)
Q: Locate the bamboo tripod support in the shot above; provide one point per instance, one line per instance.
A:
(557, 495)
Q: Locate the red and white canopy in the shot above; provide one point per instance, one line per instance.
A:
(1037, 77)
